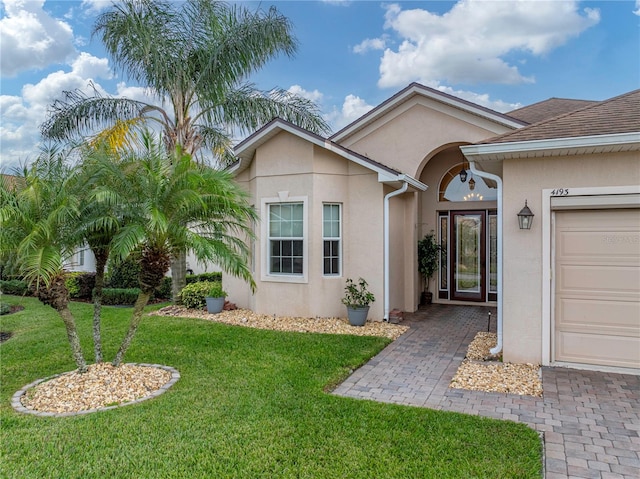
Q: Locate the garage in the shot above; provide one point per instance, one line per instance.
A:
(597, 285)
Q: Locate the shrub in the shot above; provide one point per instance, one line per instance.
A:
(14, 286)
(80, 285)
(193, 295)
(120, 296)
(196, 278)
(124, 274)
(357, 295)
(164, 290)
(216, 291)
(4, 309)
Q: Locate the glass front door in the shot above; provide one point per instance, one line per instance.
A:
(468, 256)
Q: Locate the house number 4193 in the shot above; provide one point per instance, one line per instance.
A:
(560, 192)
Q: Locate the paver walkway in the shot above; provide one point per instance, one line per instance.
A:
(590, 421)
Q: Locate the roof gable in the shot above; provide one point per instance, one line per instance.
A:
(245, 151)
(416, 89)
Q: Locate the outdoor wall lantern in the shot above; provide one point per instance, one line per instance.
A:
(463, 174)
(525, 217)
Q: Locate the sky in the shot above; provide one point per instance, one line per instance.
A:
(352, 55)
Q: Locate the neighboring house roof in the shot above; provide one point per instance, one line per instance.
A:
(415, 89)
(245, 151)
(550, 108)
(607, 126)
(12, 181)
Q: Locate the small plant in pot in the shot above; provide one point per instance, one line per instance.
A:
(215, 298)
(429, 251)
(357, 300)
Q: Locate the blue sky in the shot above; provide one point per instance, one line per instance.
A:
(352, 55)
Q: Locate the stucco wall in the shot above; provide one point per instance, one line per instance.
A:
(403, 138)
(525, 179)
(289, 164)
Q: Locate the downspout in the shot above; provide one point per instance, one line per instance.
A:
(387, 197)
(498, 180)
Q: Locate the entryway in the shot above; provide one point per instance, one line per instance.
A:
(469, 263)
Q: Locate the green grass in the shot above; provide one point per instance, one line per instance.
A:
(249, 404)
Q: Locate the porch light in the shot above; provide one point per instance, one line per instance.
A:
(525, 217)
(463, 174)
(472, 184)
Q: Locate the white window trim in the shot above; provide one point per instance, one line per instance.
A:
(282, 198)
(340, 209)
(599, 195)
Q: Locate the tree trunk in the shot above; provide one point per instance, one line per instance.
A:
(101, 260)
(72, 336)
(178, 275)
(56, 295)
(136, 318)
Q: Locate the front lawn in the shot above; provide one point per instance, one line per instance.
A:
(249, 404)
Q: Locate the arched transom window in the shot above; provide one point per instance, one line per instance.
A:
(474, 189)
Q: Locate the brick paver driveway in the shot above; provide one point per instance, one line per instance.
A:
(590, 421)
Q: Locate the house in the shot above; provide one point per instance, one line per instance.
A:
(355, 204)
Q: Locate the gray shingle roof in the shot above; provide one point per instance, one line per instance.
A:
(620, 114)
(550, 108)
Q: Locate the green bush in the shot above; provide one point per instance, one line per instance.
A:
(193, 295)
(164, 290)
(80, 284)
(14, 286)
(120, 296)
(4, 309)
(124, 274)
(197, 278)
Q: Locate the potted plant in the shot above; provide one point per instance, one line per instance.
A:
(215, 298)
(357, 300)
(428, 255)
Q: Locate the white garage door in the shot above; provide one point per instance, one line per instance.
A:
(597, 281)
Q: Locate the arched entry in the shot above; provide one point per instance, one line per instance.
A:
(469, 236)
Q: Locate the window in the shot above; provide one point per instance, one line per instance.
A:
(286, 238)
(474, 189)
(81, 257)
(331, 239)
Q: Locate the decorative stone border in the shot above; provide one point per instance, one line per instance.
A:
(16, 402)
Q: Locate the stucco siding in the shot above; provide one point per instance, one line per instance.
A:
(404, 137)
(291, 169)
(525, 179)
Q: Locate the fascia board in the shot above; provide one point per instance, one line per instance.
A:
(533, 148)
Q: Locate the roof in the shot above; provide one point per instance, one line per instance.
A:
(416, 89)
(608, 126)
(550, 108)
(620, 114)
(246, 149)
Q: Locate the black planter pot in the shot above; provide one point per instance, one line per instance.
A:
(426, 298)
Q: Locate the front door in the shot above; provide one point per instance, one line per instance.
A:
(468, 256)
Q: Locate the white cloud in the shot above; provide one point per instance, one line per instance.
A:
(87, 66)
(315, 96)
(637, 10)
(352, 108)
(93, 7)
(370, 44)
(30, 38)
(469, 43)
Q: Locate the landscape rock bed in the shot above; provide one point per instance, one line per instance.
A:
(103, 385)
(480, 371)
(244, 317)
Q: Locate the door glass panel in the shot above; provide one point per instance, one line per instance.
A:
(468, 272)
(493, 254)
(444, 269)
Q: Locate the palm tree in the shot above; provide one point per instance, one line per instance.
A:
(196, 57)
(174, 203)
(36, 225)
